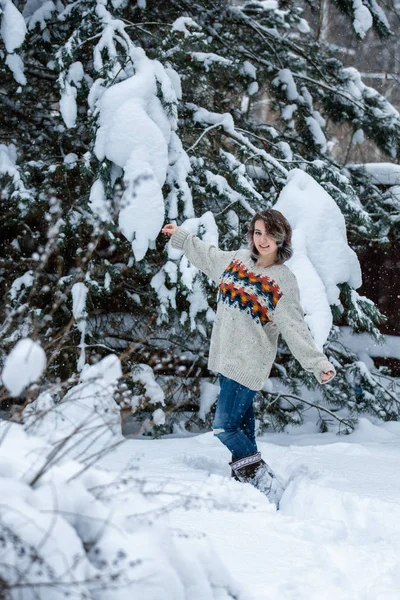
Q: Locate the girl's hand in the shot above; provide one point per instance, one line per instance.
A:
(327, 376)
(169, 229)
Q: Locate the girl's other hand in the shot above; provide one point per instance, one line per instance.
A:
(169, 229)
(327, 376)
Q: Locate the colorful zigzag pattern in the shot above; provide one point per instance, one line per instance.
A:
(256, 294)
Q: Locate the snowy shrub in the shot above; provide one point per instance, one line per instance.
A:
(69, 529)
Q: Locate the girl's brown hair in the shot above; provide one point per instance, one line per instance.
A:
(278, 227)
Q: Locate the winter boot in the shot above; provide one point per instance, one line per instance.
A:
(252, 469)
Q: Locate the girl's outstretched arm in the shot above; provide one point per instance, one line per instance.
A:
(208, 258)
(288, 317)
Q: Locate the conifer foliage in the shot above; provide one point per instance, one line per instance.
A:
(119, 116)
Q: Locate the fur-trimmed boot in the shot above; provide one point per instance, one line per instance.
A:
(252, 469)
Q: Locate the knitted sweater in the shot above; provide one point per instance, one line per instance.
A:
(254, 306)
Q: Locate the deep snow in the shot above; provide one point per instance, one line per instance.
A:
(82, 496)
(336, 535)
(80, 493)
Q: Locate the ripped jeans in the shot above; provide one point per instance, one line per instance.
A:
(234, 423)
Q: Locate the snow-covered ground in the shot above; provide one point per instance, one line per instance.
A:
(336, 535)
(161, 519)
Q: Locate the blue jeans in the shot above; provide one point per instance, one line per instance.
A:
(234, 423)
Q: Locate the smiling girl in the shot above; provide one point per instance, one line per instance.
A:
(258, 299)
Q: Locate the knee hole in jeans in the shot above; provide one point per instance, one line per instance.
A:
(218, 430)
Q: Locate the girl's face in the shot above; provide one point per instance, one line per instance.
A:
(266, 246)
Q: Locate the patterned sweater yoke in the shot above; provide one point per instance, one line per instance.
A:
(257, 294)
(254, 306)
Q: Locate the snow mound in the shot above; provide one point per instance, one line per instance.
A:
(322, 257)
(362, 517)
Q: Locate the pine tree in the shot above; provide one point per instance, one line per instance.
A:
(118, 116)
